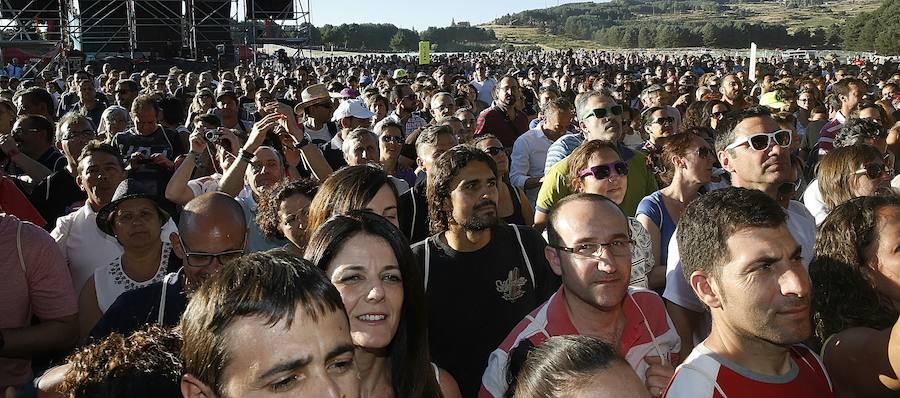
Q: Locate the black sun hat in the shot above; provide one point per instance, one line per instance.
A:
(128, 189)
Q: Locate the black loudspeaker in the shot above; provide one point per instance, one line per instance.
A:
(271, 9)
(104, 25)
(213, 22)
(158, 26)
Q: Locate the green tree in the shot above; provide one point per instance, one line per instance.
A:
(646, 37)
(404, 40)
(710, 34)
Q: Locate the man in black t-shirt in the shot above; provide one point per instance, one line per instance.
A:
(148, 147)
(481, 277)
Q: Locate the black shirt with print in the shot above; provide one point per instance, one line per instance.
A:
(474, 299)
(161, 141)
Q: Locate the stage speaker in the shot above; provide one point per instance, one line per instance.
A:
(271, 9)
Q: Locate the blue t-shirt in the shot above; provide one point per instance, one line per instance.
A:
(653, 207)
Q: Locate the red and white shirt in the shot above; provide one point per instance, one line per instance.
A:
(705, 374)
(648, 333)
(829, 132)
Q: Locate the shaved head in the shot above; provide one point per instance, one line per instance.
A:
(211, 223)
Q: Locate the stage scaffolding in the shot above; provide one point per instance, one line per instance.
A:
(164, 28)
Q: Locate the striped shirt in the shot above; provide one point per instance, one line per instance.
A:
(828, 133)
(563, 147)
(705, 374)
(648, 332)
(414, 122)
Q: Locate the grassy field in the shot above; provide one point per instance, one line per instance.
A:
(773, 12)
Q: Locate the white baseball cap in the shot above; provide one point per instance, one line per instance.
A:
(354, 108)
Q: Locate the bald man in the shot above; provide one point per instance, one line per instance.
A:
(213, 231)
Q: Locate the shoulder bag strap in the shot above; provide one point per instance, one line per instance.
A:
(524, 255)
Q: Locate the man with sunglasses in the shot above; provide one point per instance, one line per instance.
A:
(30, 147)
(590, 248)
(211, 232)
(600, 118)
(755, 152)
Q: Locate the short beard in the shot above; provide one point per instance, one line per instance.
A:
(479, 223)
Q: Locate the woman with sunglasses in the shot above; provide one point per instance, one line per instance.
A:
(850, 172)
(512, 205)
(686, 161)
(855, 303)
(596, 167)
(713, 112)
(370, 263)
(390, 144)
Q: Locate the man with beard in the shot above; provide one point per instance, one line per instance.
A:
(741, 260)
(503, 120)
(501, 267)
(405, 103)
(733, 93)
(211, 232)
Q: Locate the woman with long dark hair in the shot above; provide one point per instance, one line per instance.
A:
(855, 277)
(370, 262)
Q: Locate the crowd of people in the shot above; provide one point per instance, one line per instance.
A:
(540, 224)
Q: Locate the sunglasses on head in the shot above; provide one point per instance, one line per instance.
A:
(493, 151)
(604, 171)
(762, 141)
(601, 113)
(875, 171)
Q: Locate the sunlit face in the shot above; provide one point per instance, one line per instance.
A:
(99, 176)
(265, 170)
(442, 107)
(763, 291)
(137, 223)
(309, 358)
(293, 215)
(473, 198)
(613, 187)
(698, 162)
(75, 136)
(661, 125)
(598, 281)
(507, 91)
(367, 274)
(499, 156)
(769, 166)
(732, 89)
(608, 128)
(362, 151)
(886, 259)
(384, 203)
(391, 142)
(145, 120)
(862, 185)
(805, 100)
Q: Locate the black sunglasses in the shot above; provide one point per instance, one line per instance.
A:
(601, 113)
(875, 171)
(493, 151)
(391, 139)
(604, 171)
(664, 120)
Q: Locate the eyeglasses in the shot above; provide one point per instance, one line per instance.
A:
(664, 120)
(493, 151)
(199, 259)
(604, 171)
(20, 131)
(718, 115)
(391, 139)
(875, 171)
(705, 152)
(616, 248)
(762, 141)
(71, 135)
(601, 113)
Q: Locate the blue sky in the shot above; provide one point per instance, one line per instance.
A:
(417, 13)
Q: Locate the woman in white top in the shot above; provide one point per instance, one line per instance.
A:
(369, 261)
(134, 217)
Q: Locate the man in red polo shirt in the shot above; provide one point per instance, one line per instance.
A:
(590, 248)
(502, 119)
